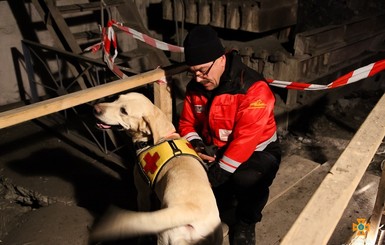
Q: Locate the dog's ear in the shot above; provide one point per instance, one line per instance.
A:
(144, 127)
(151, 122)
(159, 124)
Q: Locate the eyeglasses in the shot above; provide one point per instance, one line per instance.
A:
(202, 74)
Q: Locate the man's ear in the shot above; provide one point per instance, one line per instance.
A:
(222, 60)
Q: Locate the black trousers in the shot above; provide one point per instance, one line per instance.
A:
(249, 185)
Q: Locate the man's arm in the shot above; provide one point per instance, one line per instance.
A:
(254, 124)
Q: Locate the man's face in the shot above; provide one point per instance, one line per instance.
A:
(208, 74)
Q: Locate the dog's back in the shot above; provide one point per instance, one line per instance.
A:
(189, 214)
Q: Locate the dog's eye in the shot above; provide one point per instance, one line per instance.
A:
(123, 111)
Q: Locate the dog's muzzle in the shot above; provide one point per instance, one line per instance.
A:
(100, 124)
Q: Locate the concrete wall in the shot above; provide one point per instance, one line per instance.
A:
(11, 50)
(20, 21)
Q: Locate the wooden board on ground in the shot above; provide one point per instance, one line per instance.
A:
(331, 198)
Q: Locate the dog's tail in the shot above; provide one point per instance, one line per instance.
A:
(123, 224)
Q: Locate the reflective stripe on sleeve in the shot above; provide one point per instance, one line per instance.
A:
(228, 164)
(264, 144)
(192, 136)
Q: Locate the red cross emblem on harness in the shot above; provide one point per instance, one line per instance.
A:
(151, 162)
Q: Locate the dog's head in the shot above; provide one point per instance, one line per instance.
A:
(135, 113)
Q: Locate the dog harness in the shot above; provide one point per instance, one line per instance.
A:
(152, 160)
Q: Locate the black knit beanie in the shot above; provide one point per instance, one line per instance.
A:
(202, 45)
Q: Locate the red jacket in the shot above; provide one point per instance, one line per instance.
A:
(240, 116)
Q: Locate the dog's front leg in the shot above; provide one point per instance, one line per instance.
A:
(143, 190)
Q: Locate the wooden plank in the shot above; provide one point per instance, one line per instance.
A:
(377, 213)
(330, 38)
(87, 35)
(25, 113)
(319, 218)
(92, 6)
(61, 29)
(60, 33)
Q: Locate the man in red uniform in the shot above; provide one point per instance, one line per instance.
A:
(229, 107)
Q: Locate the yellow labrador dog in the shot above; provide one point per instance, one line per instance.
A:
(188, 214)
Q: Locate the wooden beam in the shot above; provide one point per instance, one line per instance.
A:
(317, 221)
(163, 98)
(25, 113)
(377, 213)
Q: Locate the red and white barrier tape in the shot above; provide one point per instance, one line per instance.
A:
(147, 39)
(109, 38)
(351, 77)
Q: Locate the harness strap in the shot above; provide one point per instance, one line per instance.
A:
(152, 160)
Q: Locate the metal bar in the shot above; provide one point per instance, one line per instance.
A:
(65, 53)
(30, 72)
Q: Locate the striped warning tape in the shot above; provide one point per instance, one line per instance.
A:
(351, 77)
(109, 39)
(147, 39)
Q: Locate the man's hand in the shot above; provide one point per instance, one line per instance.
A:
(207, 153)
(206, 158)
(217, 175)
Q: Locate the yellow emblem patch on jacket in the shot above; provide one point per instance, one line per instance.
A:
(154, 158)
(259, 104)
